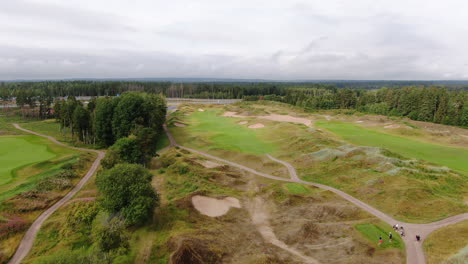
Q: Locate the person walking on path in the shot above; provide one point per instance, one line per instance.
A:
(418, 238)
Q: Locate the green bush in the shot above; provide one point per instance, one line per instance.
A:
(126, 189)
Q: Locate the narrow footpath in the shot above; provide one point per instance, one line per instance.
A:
(28, 239)
(414, 249)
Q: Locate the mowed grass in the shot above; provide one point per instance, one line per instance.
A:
(18, 151)
(225, 133)
(454, 158)
(24, 160)
(450, 242)
(372, 232)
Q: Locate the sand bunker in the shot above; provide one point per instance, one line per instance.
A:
(180, 125)
(243, 122)
(274, 117)
(287, 118)
(392, 126)
(359, 121)
(232, 114)
(258, 125)
(210, 164)
(214, 207)
(200, 110)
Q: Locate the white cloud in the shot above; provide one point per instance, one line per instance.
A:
(269, 39)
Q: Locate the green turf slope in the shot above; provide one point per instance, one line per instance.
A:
(454, 158)
(18, 151)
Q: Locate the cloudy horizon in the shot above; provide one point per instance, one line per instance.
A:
(258, 39)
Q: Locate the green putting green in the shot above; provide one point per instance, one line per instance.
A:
(373, 232)
(19, 151)
(454, 158)
(225, 133)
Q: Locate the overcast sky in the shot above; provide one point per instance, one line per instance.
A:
(267, 39)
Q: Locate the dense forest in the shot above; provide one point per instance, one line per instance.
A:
(446, 105)
(105, 120)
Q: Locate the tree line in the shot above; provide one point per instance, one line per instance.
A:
(429, 104)
(433, 104)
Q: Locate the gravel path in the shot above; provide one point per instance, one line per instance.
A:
(414, 250)
(28, 239)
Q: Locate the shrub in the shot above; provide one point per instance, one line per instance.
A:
(126, 189)
(81, 215)
(13, 225)
(111, 235)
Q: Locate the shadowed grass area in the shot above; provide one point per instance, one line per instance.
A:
(454, 158)
(224, 133)
(448, 243)
(163, 142)
(373, 231)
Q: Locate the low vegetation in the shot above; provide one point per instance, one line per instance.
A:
(178, 233)
(448, 245)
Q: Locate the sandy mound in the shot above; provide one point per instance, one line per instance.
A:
(258, 125)
(359, 121)
(214, 207)
(287, 118)
(210, 164)
(200, 110)
(180, 125)
(392, 126)
(243, 122)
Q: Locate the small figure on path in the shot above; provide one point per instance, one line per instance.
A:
(418, 238)
(402, 233)
(390, 236)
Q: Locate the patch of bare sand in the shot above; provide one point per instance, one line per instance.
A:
(209, 164)
(180, 125)
(214, 207)
(391, 126)
(242, 122)
(276, 117)
(200, 110)
(232, 114)
(287, 118)
(259, 216)
(258, 125)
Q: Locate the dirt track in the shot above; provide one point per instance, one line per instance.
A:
(28, 239)
(414, 250)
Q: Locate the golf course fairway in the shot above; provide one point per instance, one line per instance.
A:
(454, 158)
(18, 151)
(226, 133)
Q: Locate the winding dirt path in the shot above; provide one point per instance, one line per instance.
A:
(414, 249)
(28, 239)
